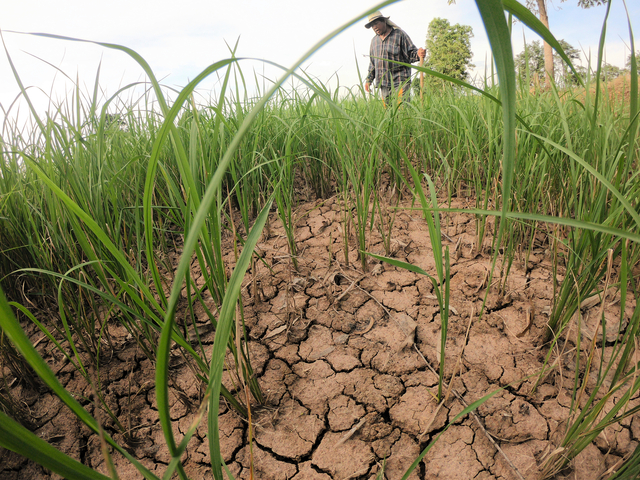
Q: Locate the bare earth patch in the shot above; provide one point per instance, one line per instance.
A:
(347, 361)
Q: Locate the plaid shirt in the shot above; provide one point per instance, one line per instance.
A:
(397, 46)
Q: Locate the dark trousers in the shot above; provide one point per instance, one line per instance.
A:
(399, 94)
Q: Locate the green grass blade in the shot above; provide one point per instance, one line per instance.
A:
(192, 237)
(21, 86)
(399, 264)
(168, 128)
(95, 228)
(633, 97)
(225, 323)
(16, 438)
(495, 24)
(12, 328)
(565, 221)
(603, 34)
(621, 198)
(464, 412)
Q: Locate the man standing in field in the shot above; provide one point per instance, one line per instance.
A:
(390, 43)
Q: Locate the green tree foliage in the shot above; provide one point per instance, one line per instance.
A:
(539, 7)
(533, 56)
(449, 48)
(609, 72)
(589, 3)
(530, 63)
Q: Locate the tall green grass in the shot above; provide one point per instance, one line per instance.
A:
(91, 205)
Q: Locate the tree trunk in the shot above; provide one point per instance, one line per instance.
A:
(548, 52)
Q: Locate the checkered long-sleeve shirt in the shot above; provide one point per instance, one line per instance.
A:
(397, 46)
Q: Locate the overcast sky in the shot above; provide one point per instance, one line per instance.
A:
(180, 39)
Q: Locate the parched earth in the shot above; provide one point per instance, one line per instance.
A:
(347, 361)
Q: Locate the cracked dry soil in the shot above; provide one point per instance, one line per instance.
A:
(346, 362)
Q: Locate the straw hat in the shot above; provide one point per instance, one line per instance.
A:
(375, 16)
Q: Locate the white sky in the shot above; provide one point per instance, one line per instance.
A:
(181, 38)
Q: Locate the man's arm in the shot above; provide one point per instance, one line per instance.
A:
(412, 53)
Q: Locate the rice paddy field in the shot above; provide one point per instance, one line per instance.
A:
(306, 285)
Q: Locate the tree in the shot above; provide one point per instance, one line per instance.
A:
(540, 6)
(566, 76)
(534, 53)
(449, 48)
(532, 57)
(609, 72)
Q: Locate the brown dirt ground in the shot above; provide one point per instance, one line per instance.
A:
(347, 362)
